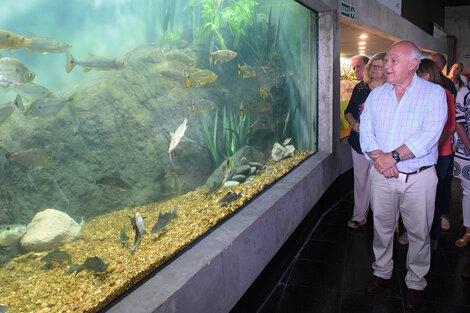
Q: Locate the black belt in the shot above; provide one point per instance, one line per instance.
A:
(416, 172)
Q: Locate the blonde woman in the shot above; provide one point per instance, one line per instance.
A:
(374, 76)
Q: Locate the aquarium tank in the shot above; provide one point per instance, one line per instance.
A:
(130, 128)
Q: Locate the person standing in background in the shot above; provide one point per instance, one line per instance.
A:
(374, 76)
(358, 64)
(429, 71)
(400, 128)
(441, 62)
(462, 157)
(455, 77)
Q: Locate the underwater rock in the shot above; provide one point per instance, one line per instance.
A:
(239, 178)
(230, 184)
(243, 170)
(48, 230)
(247, 152)
(280, 152)
(244, 161)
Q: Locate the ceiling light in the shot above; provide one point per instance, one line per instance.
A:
(361, 43)
(363, 36)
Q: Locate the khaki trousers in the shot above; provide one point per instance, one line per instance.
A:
(361, 168)
(414, 200)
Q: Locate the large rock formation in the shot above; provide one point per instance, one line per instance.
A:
(48, 230)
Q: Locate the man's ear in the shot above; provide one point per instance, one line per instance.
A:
(413, 65)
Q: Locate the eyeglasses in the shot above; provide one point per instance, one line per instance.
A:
(376, 67)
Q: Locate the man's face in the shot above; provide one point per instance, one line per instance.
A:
(358, 67)
(399, 67)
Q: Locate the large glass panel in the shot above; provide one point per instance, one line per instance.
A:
(129, 128)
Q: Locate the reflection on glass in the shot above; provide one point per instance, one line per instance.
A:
(128, 129)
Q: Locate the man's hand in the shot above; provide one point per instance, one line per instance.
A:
(374, 154)
(391, 172)
(384, 162)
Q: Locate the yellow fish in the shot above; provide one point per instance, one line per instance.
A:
(12, 40)
(200, 77)
(246, 71)
(264, 92)
(222, 56)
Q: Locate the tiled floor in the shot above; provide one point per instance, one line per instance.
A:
(330, 272)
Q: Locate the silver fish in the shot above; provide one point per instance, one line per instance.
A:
(33, 92)
(11, 233)
(14, 73)
(44, 45)
(94, 63)
(49, 106)
(138, 225)
(177, 136)
(7, 109)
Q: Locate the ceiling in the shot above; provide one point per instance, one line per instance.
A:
(375, 41)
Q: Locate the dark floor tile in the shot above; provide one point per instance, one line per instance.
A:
(445, 289)
(301, 299)
(356, 278)
(323, 251)
(328, 232)
(316, 274)
(352, 302)
(457, 261)
(359, 248)
(433, 307)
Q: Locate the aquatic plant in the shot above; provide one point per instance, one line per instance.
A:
(237, 16)
(237, 129)
(171, 37)
(211, 138)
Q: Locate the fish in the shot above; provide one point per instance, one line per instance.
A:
(115, 182)
(7, 109)
(182, 57)
(264, 92)
(164, 219)
(3, 308)
(14, 73)
(92, 263)
(122, 235)
(12, 41)
(246, 71)
(56, 256)
(138, 224)
(33, 92)
(200, 77)
(228, 171)
(44, 45)
(204, 105)
(11, 233)
(46, 107)
(177, 137)
(215, 186)
(94, 63)
(230, 197)
(173, 75)
(286, 141)
(222, 56)
(30, 160)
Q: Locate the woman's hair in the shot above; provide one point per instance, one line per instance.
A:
(428, 66)
(380, 56)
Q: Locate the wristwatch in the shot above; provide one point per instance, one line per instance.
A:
(396, 156)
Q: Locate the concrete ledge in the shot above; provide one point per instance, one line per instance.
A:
(214, 273)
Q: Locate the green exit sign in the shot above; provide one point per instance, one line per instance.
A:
(348, 10)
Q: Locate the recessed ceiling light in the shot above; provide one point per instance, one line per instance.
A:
(363, 36)
(361, 43)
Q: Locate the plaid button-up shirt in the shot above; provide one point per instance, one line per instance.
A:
(416, 121)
